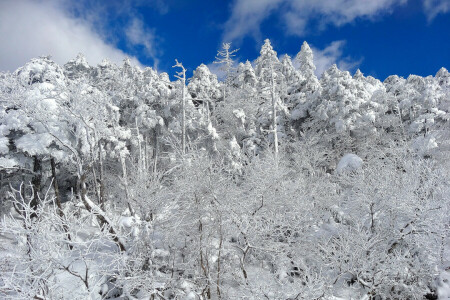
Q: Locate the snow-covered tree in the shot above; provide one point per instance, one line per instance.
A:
(204, 88)
(225, 58)
(117, 183)
(301, 92)
(270, 80)
(339, 103)
(245, 76)
(182, 77)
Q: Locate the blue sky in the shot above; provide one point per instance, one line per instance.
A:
(381, 37)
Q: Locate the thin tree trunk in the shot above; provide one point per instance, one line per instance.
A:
(100, 214)
(36, 182)
(219, 294)
(224, 91)
(125, 183)
(274, 113)
(145, 153)
(91, 148)
(183, 145)
(102, 183)
(56, 188)
(182, 77)
(208, 113)
(156, 150)
(96, 187)
(58, 201)
(141, 156)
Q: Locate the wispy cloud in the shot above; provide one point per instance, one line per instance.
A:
(434, 7)
(62, 29)
(217, 70)
(296, 15)
(333, 54)
(246, 18)
(138, 35)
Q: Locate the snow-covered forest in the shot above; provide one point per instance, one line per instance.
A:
(270, 183)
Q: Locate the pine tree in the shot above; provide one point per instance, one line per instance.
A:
(225, 58)
(301, 95)
(181, 75)
(204, 89)
(305, 59)
(270, 78)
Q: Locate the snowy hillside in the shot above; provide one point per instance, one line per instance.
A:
(118, 183)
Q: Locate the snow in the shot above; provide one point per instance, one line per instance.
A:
(348, 163)
(212, 131)
(49, 105)
(6, 162)
(199, 204)
(443, 290)
(240, 115)
(160, 253)
(234, 147)
(424, 145)
(46, 87)
(126, 222)
(34, 144)
(4, 142)
(298, 113)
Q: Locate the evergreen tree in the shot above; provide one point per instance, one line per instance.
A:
(301, 95)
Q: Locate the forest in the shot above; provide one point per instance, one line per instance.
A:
(117, 182)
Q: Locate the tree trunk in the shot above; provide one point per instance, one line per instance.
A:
(58, 200)
(90, 206)
(141, 155)
(183, 120)
(156, 149)
(36, 182)
(145, 153)
(208, 113)
(125, 183)
(274, 114)
(102, 184)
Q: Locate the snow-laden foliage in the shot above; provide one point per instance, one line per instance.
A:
(118, 183)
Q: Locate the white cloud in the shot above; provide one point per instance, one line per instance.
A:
(217, 69)
(337, 12)
(247, 15)
(330, 55)
(246, 18)
(333, 54)
(138, 35)
(32, 28)
(434, 7)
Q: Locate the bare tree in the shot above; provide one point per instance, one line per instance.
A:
(182, 77)
(225, 57)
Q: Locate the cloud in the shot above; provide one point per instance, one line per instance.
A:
(434, 7)
(217, 69)
(160, 5)
(336, 12)
(32, 28)
(296, 15)
(246, 18)
(138, 35)
(330, 55)
(333, 54)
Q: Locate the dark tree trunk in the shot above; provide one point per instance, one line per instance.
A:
(156, 132)
(58, 201)
(102, 183)
(100, 217)
(36, 182)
